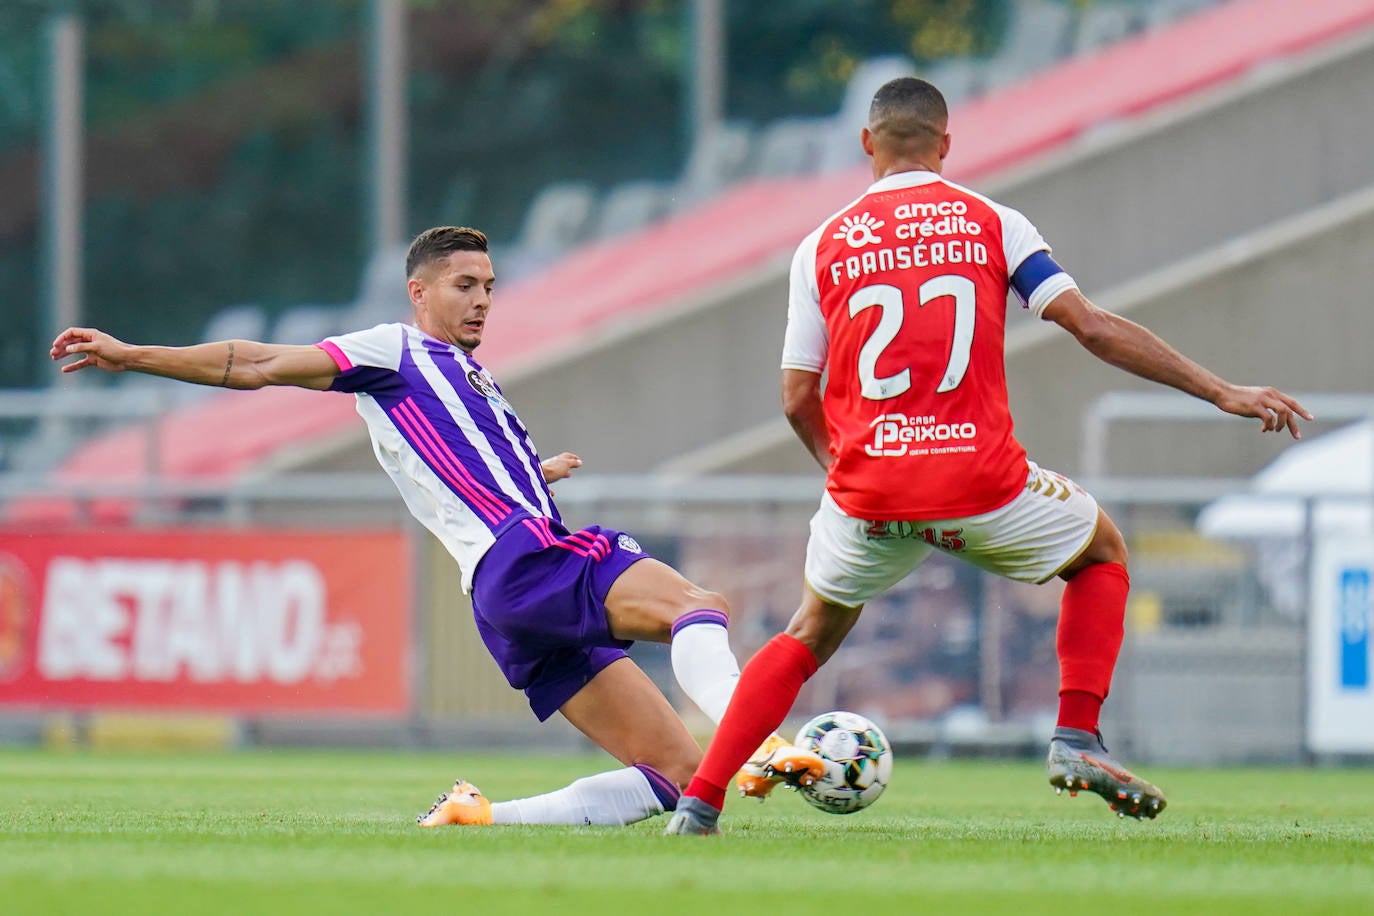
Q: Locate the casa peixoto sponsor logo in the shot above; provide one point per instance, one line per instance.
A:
(16, 617)
(896, 435)
(153, 620)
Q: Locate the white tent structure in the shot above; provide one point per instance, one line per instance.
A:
(1335, 472)
(1332, 476)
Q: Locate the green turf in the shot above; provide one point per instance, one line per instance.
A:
(268, 832)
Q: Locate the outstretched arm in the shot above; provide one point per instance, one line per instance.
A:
(801, 404)
(1129, 346)
(227, 364)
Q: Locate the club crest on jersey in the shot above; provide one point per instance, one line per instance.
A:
(487, 389)
(859, 231)
(628, 544)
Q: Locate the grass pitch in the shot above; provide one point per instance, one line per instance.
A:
(267, 832)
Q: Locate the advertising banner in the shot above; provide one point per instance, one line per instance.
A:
(1340, 691)
(245, 621)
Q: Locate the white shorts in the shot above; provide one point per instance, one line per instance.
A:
(1030, 539)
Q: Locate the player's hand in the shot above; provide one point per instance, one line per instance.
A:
(1276, 410)
(96, 348)
(560, 466)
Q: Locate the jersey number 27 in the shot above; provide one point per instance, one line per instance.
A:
(890, 300)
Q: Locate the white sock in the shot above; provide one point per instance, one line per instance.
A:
(706, 668)
(612, 799)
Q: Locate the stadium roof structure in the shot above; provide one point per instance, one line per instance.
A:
(753, 223)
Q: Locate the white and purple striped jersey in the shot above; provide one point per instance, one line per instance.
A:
(464, 463)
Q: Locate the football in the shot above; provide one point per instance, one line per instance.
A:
(858, 761)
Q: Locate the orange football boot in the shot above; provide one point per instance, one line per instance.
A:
(777, 761)
(463, 804)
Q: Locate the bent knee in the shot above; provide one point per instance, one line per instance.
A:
(1112, 548)
(677, 767)
(697, 598)
(1107, 546)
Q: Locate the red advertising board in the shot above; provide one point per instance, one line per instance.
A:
(247, 621)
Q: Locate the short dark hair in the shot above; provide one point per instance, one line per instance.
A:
(908, 108)
(440, 242)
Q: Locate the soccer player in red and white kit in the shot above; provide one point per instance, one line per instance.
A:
(902, 297)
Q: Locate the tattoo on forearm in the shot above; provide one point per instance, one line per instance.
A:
(228, 364)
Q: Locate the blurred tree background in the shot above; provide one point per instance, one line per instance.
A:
(225, 146)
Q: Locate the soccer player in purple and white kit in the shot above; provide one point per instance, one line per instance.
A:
(556, 608)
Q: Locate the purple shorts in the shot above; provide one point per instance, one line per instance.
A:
(539, 598)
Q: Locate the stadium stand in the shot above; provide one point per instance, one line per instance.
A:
(718, 159)
(1040, 35)
(790, 146)
(380, 296)
(237, 322)
(1103, 24)
(557, 219)
(630, 206)
(644, 278)
(305, 324)
(840, 151)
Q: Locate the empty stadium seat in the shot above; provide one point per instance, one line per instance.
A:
(513, 261)
(1162, 12)
(958, 78)
(306, 324)
(841, 146)
(1103, 24)
(632, 205)
(558, 217)
(382, 291)
(236, 322)
(718, 158)
(791, 146)
(1038, 35)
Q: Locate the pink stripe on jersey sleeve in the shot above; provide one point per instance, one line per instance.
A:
(343, 362)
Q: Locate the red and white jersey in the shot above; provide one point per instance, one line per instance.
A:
(902, 298)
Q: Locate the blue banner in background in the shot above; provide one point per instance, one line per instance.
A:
(1354, 626)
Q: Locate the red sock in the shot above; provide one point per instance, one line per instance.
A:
(767, 688)
(1079, 709)
(1091, 616)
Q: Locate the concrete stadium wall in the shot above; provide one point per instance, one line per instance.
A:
(1117, 206)
(1284, 306)
(1288, 137)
